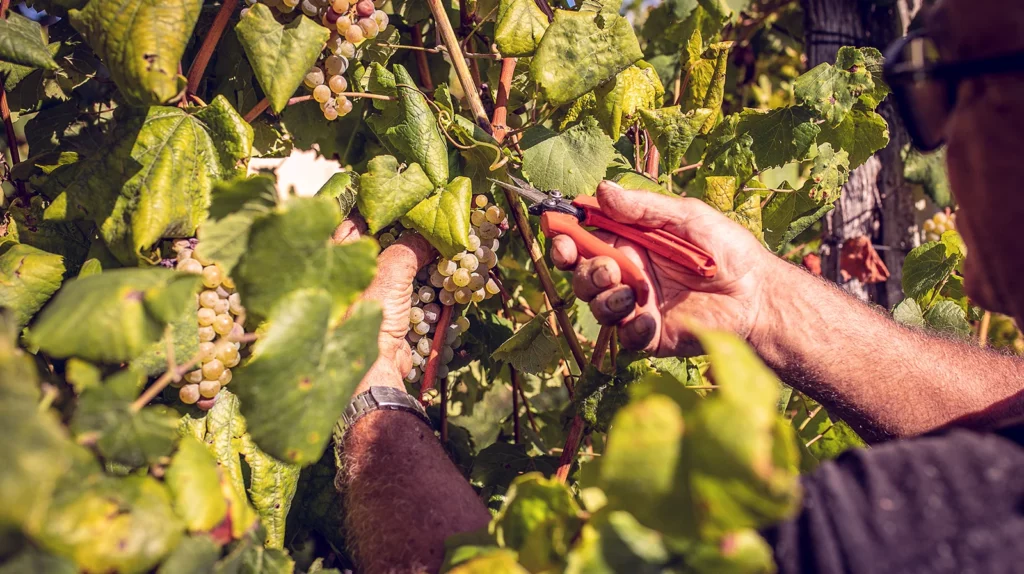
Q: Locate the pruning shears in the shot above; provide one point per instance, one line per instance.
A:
(559, 216)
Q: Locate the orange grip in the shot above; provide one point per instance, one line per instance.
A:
(554, 223)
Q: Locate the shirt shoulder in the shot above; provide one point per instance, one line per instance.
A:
(951, 502)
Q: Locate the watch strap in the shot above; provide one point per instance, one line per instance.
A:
(381, 398)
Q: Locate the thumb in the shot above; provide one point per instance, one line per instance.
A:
(399, 263)
(649, 209)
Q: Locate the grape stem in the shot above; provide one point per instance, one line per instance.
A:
(440, 50)
(262, 105)
(433, 360)
(451, 42)
(421, 60)
(220, 22)
(5, 113)
(576, 430)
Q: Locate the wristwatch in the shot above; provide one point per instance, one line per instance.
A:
(381, 398)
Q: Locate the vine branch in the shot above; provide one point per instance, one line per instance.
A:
(202, 59)
(436, 344)
(451, 42)
(5, 113)
(421, 60)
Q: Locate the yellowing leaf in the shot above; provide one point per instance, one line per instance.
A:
(633, 89)
(28, 277)
(519, 28)
(194, 481)
(444, 218)
(673, 131)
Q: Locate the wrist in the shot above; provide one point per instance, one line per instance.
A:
(383, 373)
(769, 333)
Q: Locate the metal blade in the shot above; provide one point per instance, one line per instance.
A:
(529, 193)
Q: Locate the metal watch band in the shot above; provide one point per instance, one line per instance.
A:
(381, 398)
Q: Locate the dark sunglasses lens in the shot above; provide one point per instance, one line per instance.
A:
(925, 102)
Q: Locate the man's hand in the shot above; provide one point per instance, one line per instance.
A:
(732, 300)
(392, 288)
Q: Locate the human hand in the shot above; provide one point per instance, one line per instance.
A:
(392, 289)
(731, 301)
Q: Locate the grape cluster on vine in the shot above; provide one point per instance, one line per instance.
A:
(938, 224)
(220, 315)
(462, 279)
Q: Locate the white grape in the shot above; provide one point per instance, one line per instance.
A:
(423, 346)
(413, 376)
(335, 66)
(480, 201)
(209, 389)
(314, 77)
(347, 50)
(225, 377)
(447, 354)
(189, 394)
(207, 350)
(222, 306)
(442, 371)
(446, 267)
(189, 266)
(212, 276)
(235, 304)
(477, 218)
(208, 298)
(227, 354)
(494, 215)
(478, 295)
(474, 242)
(463, 296)
(382, 20)
(476, 281)
(205, 316)
(417, 359)
(415, 315)
(431, 313)
(194, 377)
(321, 94)
(446, 298)
(212, 369)
(449, 284)
(469, 262)
(421, 328)
(222, 324)
(492, 287)
(206, 333)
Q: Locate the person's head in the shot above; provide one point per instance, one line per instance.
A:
(984, 134)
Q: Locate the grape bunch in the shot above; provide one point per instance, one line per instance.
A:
(328, 83)
(938, 224)
(461, 280)
(220, 315)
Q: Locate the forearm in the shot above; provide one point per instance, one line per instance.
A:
(884, 379)
(403, 496)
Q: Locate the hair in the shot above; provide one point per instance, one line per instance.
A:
(966, 29)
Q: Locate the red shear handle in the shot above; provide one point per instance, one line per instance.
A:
(553, 223)
(659, 241)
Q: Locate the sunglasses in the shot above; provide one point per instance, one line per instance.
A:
(924, 87)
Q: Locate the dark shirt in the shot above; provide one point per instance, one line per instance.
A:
(950, 502)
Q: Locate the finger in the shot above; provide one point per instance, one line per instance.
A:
(595, 275)
(613, 305)
(351, 229)
(635, 207)
(637, 333)
(563, 252)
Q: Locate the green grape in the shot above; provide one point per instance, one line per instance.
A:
(207, 351)
(446, 298)
(494, 214)
(461, 278)
(330, 112)
(227, 283)
(354, 34)
(344, 105)
(463, 296)
(233, 362)
(370, 28)
(212, 276)
(340, 6)
(208, 298)
(206, 316)
(492, 287)
(458, 256)
(189, 394)
(335, 66)
(189, 266)
(235, 304)
(474, 242)
(423, 346)
(321, 93)
(446, 267)
(477, 218)
(222, 306)
(421, 328)
(194, 377)
(427, 294)
(314, 77)
(382, 20)
(462, 324)
(416, 316)
(478, 295)
(212, 369)
(225, 378)
(209, 389)
(334, 42)
(449, 284)
(227, 354)
(222, 324)
(469, 262)
(347, 50)
(206, 333)
(417, 359)
(480, 201)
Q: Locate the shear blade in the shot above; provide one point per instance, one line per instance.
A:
(531, 194)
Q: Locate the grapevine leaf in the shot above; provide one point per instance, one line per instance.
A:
(271, 269)
(909, 313)
(28, 278)
(31, 560)
(183, 332)
(272, 486)
(829, 174)
(194, 481)
(135, 193)
(318, 503)
(280, 54)
(407, 126)
(833, 90)
(860, 134)
(495, 562)
(825, 438)
(532, 349)
(929, 171)
(520, 27)
(113, 524)
(926, 267)
(235, 206)
(225, 429)
(232, 134)
(126, 311)
(780, 136)
(573, 161)
(706, 87)
(71, 240)
(729, 152)
(500, 463)
(634, 89)
(343, 186)
(615, 542)
(739, 551)
(580, 51)
(302, 373)
(386, 194)
(633, 180)
(444, 218)
(258, 559)
(673, 131)
(21, 42)
(304, 127)
(744, 208)
(193, 554)
(873, 61)
(539, 519)
(131, 439)
(948, 317)
(140, 42)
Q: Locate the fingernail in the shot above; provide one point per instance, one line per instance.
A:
(607, 184)
(621, 300)
(601, 277)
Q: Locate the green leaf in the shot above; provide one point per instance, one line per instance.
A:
(539, 519)
(615, 542)
(234, 207)
(124, 309)
(386, 194)
(779, 136)
(635, 89)
(134, 191)
(948, 317)
(496, 562)
(573, 161)
(270, 269)
(344, 187)
(909, 313)
(742, 551)
(302, 373)
(829, 174)
(133, 439)
(21, 42)
(532, 349)
(407, 126)
(500, 463)
(31, 560)
(28, 278)
(194, 481)
(673, 131)
(706, 87)
(929, 171)
(729, 152)
(833, 90)
(280, 54)
(113, 524)
(444, 217)
(580, 51)
(925, 268)
(789, 214)
(182, 331)
(225, 432)
(194, 554)
(520, 26)
(272, 486)
(873, 61)
(860, 134)
(141, 43)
